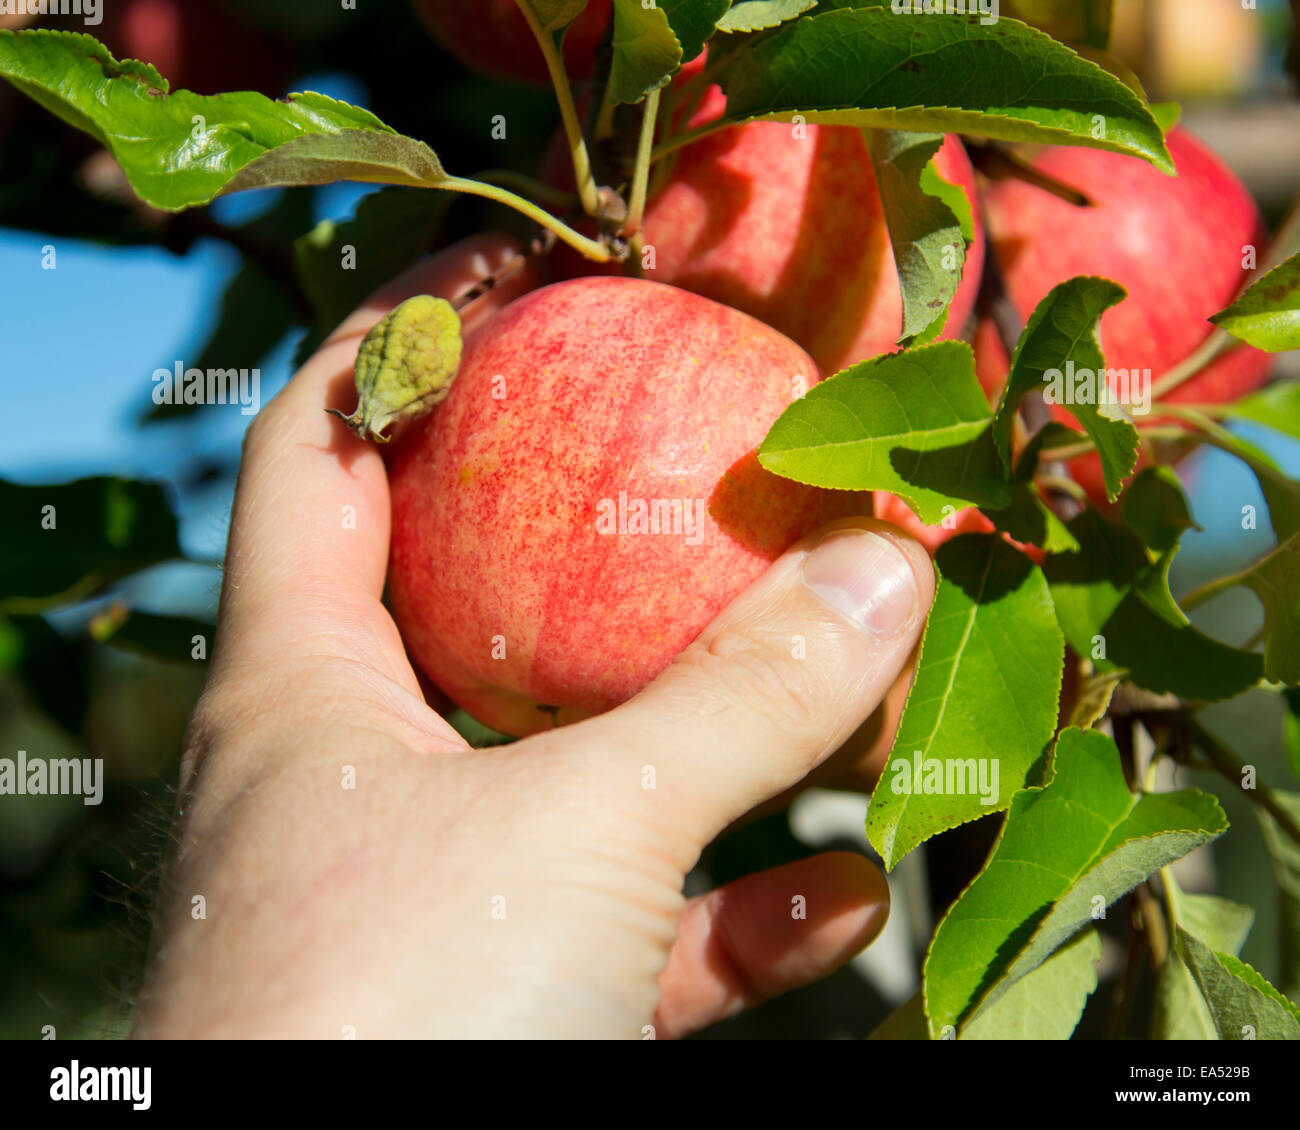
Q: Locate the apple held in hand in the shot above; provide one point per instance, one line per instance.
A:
(1176, 245)
(587, 497)
(492, 38)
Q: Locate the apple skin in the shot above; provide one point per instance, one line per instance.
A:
(492, 38)
(788, 227)
(1176, 246)
(611, 385)
(196, 46)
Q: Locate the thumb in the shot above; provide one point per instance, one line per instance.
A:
(778, 681)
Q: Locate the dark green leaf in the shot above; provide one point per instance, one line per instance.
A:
(1071, 21)
(1060, 343)
(1243, 1005)
(1115, 607)
(341, 263)
(68, 541)
(927, 239)
(1285, 854)
(1267, 316)
(1007, 81)
(1181, 1012)
(174, 639)
(694, 21)
(182, 149)
(1066, 852)
(1156, 508)
(1032, 522)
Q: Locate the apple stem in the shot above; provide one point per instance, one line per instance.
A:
(1210, 350)
(529, 186)
(641, 172)
(591, 248)
(582, 174)
(1230, 767)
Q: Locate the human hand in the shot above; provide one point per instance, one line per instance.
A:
(363, 871)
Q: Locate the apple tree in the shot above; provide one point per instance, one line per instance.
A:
(939, 207)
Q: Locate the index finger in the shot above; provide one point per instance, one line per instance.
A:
(310, 523)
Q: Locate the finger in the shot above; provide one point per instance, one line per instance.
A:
(775, 684)
(309, 530)
(766, 934)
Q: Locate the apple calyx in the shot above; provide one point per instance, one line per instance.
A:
(405, 365)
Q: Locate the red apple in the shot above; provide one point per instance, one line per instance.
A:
(520, 579)
(1176, 246)
(196, 46)
(785, 223)
(492, 38)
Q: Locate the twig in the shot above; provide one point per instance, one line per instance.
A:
(1230, 767)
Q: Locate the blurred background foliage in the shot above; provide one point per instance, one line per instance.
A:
(98, 651)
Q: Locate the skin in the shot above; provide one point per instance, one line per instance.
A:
(330, 911)
(573, 396)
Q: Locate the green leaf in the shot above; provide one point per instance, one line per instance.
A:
(1156, 509)
(1114, 606)
(1242, 1004)
(1181, 1012)
(69, 541)
(55, 668)
(1267, 315)
(869, 68)
(1066, 851)
(646, 51)
(1285, 854)
(474, 732)
(983, 705)
(556, 15)
(1060, 341)
(1167, 114)
(907, 1022)
(340, 263)
(759, 15)
(1276, 581)
(1291, 728)
(915, 424)
(183, 149)
(927, 239)
(694, 21)
(1071, 21)
(1031, 521)
(1278, 406)
(1045, 1004)
(169, 638)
